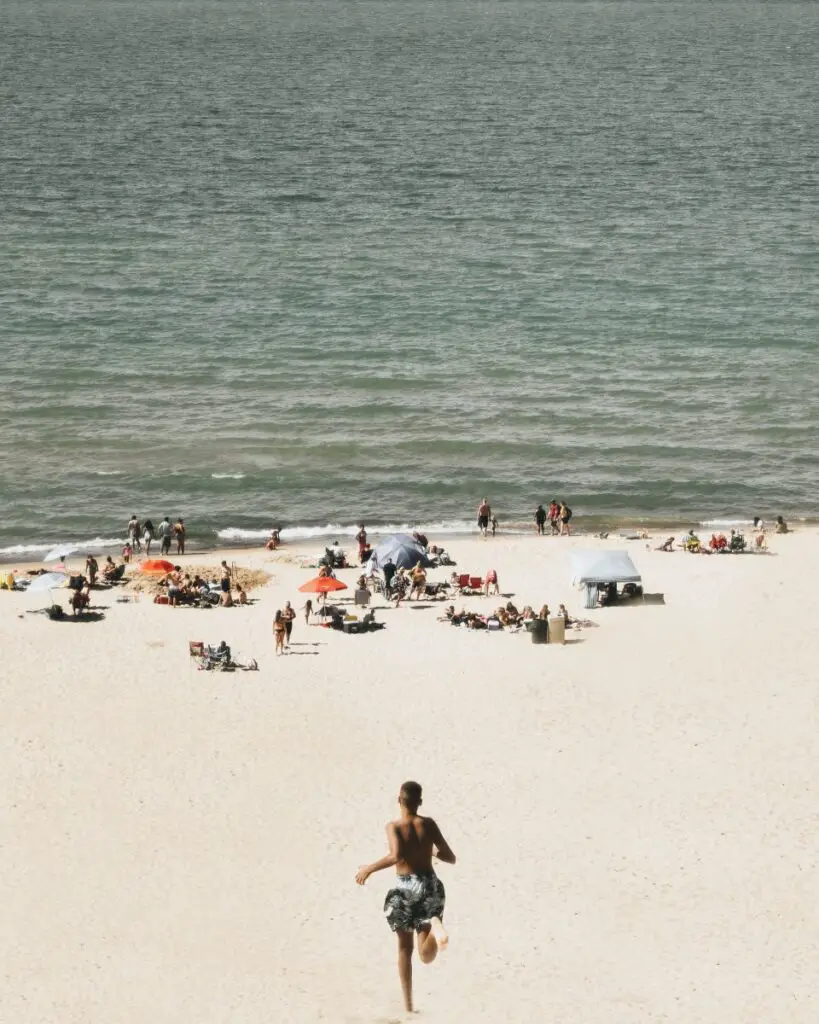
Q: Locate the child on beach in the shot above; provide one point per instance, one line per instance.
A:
(416, 902)
(127, 552)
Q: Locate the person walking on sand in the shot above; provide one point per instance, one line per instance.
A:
(308, 611)
(279, 630)
(361, 537)
(288, 615)
(540, 520)
(554, 515)
(565, 520)
(484, 512)
(415, 904)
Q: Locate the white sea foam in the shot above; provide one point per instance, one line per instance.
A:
(726, 524)
(68, 547)
(227, 476)
(109, 472)
(296, 533)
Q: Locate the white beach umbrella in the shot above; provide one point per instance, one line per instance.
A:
(47, 581)
(60, 553)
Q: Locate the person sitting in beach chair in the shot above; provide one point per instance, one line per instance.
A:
(219, 657)
(339, 559)
(80, 601)
(737, 543)
(692, 543)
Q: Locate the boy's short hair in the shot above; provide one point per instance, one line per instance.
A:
(410, 795)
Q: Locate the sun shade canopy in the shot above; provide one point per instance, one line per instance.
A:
(603, 567)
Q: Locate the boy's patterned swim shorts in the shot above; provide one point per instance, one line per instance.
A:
(413, 900)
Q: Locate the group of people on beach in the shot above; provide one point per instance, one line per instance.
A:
(503, 617)
(142, 535)
(719, 542)
(558, 516)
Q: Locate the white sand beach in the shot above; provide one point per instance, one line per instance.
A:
(634, 813)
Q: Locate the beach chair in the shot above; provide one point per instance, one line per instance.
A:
(196, 651)
(475, 583)
(463, 581)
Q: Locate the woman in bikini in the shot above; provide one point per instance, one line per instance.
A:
(279, 631)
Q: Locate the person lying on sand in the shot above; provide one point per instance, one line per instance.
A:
(415, 904)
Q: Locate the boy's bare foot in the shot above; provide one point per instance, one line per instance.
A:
(436, 926)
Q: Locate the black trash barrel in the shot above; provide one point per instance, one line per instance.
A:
(540, 631)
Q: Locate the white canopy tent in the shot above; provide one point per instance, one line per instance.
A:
(590, 568)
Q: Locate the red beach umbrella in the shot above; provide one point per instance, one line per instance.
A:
(322, 585)
(156, 565)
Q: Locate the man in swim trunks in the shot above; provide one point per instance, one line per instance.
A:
(484, 512)
(416, 901)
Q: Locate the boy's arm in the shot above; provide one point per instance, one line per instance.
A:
(389, 861)
(442, 850)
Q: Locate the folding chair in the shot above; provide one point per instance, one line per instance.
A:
(196, 650)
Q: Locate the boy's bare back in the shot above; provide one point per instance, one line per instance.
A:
(414, 840)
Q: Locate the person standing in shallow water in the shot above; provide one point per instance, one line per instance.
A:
(148, 536)
(484, 512)
(415, 904)
(180, 533)
(540, 520)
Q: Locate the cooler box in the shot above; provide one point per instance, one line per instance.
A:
(557, 630)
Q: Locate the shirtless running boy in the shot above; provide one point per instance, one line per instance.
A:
(416, 902)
